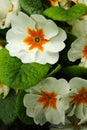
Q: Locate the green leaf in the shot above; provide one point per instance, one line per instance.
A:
(31, 6)
(8, 108)
(21, 110)
(15, 74)
(74, 71)
(61, 14)
(54, 70)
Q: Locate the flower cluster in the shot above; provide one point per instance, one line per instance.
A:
(43, 60)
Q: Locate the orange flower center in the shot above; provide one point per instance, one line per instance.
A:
(48, 99)
(81, 97)
(85, 52)
(35, 39)
(77, 1)
(54, 2)
(10, 10)
(1, 85)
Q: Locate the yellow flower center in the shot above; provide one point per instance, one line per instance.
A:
(81, 97)
(48, 99)
(35, 39)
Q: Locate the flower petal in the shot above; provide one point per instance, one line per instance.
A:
(77, 83)
(76, 49)
(39, 115)
(22, 22)
(27, 101)
(46, 57)
(55, 116)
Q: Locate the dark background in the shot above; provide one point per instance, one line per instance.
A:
(18, 125)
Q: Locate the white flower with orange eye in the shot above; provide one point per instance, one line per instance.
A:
(7, 7)
(80, 1)
(35, 39)
(78, 98)
(47, 101)
(78, 50)
(4, 90)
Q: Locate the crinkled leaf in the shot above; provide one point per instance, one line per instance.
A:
(15, 74)
(21, 110)
(61, 14)
(31, 6)
(8, 108)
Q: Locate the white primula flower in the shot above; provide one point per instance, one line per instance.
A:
(78, 50)
(79, 27)
(78, 98)
(47, 101)
(4, 90)
(35, 39)
(7, 7)
(80, 1)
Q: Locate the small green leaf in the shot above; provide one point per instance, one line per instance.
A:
(31, 6)
(61, 14)
(74, 71)
(15, 74)
(54, 70)
(8, 108)
(21, 110)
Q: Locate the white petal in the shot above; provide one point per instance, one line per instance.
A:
(27, 56)
(54, 46)
(79, 111)
(79, 27)
(27, 101)
(77, 83)
(55, 116)
(22, 22)
(76, 49)
(5, 5)
(15, 41)
(38, 18)
(50, 28)
(39, 116)
(61, 36)
(16, 4)
(46, 57)
(56, 43)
